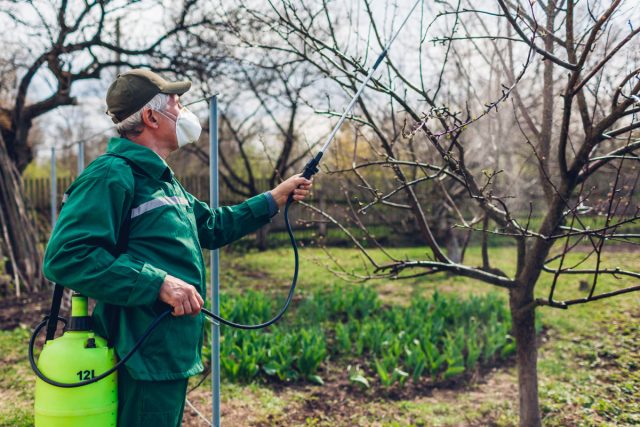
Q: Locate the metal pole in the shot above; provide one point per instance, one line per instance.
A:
(215, 262)
(80, 157)
(54, 189)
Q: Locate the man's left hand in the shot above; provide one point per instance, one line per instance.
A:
(297, 184)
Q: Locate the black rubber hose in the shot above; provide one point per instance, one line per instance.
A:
(292, 289)
(105, 374)
(157, 320)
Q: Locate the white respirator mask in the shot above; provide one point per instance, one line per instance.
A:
(188, 127)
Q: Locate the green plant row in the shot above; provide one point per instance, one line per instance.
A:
(438, 337)
(286, 354)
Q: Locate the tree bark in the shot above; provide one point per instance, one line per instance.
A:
(454, 250)
(322, 226)
(261, 237)
(19, 235)
(523, 317)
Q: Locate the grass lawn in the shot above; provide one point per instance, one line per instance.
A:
(588, 364)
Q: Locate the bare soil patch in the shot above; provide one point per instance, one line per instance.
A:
(27, 310)
(340, 402)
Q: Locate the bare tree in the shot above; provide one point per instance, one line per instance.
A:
(487, 60)
(262, 112)
(75, 42)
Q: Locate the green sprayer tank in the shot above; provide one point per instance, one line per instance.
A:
(77, 355)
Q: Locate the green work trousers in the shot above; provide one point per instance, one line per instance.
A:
(150, 403)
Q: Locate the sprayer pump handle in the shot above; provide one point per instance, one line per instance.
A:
(311, 168)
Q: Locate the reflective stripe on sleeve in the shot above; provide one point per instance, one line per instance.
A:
(156, 203)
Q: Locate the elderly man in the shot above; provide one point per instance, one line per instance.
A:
(131, 237)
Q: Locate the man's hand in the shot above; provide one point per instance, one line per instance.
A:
(183, 297)
(281, 192)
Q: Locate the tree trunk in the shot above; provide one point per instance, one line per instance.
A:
(261, 237)
(454, 250)
(17, 230)
(523, 317)
(322, 226)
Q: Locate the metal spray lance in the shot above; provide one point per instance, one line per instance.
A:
(311, 168)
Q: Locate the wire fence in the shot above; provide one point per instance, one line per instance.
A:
(388, 226)
(311, 225)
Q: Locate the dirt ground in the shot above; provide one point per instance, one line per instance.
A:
(341, 404)
(26, 310)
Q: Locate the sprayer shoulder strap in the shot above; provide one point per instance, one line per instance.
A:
(58, 290)
(123, 238)
(123, 242)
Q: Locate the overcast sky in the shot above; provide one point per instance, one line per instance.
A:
(147, 20)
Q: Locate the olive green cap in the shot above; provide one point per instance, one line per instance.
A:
(132, 90)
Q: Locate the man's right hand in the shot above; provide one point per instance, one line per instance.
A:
(183, 297)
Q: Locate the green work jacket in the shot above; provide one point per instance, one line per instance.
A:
(125, 223)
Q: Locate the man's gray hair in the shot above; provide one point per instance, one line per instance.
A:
(133, 124)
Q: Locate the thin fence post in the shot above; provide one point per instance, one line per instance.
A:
(80, 157)
(215, 263)
(54, 188)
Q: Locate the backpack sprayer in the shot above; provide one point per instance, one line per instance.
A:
(69, 390)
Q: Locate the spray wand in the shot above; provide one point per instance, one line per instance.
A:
(310, 169)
